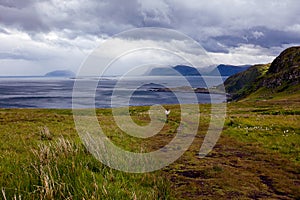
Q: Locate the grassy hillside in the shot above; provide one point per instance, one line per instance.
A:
(242, 84)
(260, 82)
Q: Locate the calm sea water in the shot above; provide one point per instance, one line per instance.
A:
(41, 92)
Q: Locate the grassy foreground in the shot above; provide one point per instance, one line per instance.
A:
(257, 156)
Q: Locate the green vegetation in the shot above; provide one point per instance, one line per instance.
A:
(257, 156)
(273, 124)
(243, 83)
(43, 158)
(286, 61)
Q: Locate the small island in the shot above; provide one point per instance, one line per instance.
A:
(187, 89)
(61, 73)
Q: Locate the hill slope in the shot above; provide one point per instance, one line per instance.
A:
(242, 84)
(278, 79)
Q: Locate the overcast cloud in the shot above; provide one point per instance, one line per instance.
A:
(38, 36)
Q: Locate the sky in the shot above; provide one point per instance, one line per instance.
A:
(38, 36)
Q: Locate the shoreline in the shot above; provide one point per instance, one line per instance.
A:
(96, 108)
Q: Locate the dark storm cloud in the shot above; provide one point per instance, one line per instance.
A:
(271, 38)
(15, 3)
(21, 15)
(261, 36)
(217, 25)
(91, 17)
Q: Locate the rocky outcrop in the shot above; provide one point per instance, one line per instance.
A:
(284, 70)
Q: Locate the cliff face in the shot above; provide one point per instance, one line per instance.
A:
(289, 58)
(281, 75)
(284, 70)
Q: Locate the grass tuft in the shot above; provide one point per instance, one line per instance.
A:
(45, 133)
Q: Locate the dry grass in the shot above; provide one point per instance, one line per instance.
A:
(45, 133)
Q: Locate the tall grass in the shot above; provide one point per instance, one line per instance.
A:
(63, 169)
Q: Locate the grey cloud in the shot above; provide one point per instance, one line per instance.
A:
(156, 13)
(22, 18)
(232, 24)
(213, 46)
(16, 56)
(270, 38)
(3, 31)
(217, 25)
(92, 17)
(16, 3)
(261, 36)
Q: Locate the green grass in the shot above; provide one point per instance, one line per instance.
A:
(289, 93)
(43, 158)
(257, 156)
(276, 128)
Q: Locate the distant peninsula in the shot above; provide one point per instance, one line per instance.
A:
(60, 73)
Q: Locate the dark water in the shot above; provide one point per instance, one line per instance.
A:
(40, 92)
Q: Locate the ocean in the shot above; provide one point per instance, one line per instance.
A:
(45, 92)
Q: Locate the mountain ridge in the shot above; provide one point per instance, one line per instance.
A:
(221, 69)
(228, 70)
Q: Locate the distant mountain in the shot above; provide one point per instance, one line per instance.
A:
(186, 70)
(161, 71)
(223, 70)
(278, 79)
(227, 70)
(181, 69)
(61, 73)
